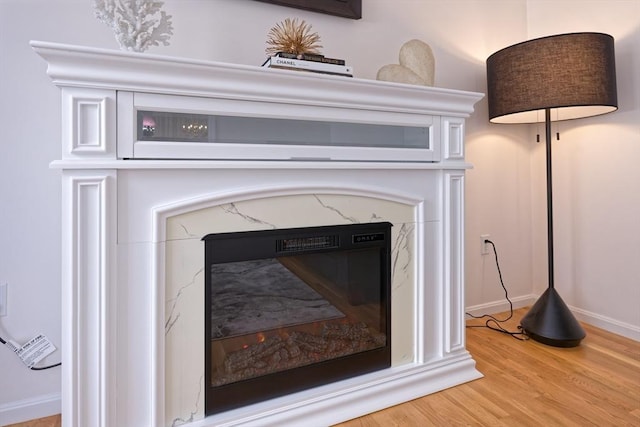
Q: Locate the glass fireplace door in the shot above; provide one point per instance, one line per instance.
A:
(291, 309)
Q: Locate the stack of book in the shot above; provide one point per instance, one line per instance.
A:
(309, 62)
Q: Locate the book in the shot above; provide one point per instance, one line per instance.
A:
(311, 57)
(300, 64)
(312, 71)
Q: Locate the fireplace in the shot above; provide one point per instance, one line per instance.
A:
(135, 211)
(291, 309)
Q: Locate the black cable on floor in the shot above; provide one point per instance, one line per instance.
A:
(36, 368)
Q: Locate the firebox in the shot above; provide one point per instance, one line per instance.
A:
(291, 309)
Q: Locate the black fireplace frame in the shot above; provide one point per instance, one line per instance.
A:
(230, 247)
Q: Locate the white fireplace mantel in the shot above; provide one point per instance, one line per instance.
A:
(129, 207)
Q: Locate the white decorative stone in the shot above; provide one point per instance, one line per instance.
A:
(137, 24)
(416, 65)
(398, 73)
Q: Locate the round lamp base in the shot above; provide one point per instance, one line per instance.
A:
(551, 322)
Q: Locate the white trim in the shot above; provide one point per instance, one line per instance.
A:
(23, 410)
(88, 286)
(351, 398)
(453, 261)
(86, 164)
(501, 305)
(453, 139)
(89, 118)
(594, 319)
(607, 323)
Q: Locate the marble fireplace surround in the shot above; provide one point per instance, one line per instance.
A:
(132, 259)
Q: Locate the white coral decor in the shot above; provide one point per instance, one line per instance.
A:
(137, 24)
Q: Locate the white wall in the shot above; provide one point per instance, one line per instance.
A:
(596, 212)
(596, 197)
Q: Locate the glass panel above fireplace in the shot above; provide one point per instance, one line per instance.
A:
(194, 128)
(184, 127)
(291, 309)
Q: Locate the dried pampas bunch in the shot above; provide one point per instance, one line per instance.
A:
(292, 37)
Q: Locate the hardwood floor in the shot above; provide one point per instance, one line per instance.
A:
(52, 421)
(530, 384)
(525, 384)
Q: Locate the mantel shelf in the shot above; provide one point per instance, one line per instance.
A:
(76, 66)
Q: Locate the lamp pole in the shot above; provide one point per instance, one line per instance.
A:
(547, 125)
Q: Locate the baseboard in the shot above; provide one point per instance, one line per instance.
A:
(500, 306)
(29, 409)
(617, 327)
(627, 330)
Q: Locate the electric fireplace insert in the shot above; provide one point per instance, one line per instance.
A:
(291, 309)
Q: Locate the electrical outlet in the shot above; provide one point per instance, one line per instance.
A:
(3, 299)
(484, 247)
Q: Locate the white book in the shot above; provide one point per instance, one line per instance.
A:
(300, 64)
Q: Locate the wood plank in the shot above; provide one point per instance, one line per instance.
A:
(52, 421)
(530, 384)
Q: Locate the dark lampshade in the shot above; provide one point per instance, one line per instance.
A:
(574, 75)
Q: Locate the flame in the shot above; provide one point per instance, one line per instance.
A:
(261, 337)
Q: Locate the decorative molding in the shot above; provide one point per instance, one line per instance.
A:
(453, 254)
(453, 138)
(88, 115)
(127, 126)
(88, 286)
(81, 164)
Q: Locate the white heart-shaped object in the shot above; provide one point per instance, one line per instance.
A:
(417, 65)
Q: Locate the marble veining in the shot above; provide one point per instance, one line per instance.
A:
(232, 208)
(171, 316)
(196, 408)
(187, 233)
(401, 251)
(336, 210)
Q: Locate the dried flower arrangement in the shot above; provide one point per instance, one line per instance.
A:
(293, 37)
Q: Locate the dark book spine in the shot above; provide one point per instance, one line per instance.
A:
(311, 57)
(311, 71)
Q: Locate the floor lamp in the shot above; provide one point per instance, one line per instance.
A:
(561, 77)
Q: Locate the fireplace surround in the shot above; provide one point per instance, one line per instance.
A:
(135, 211)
